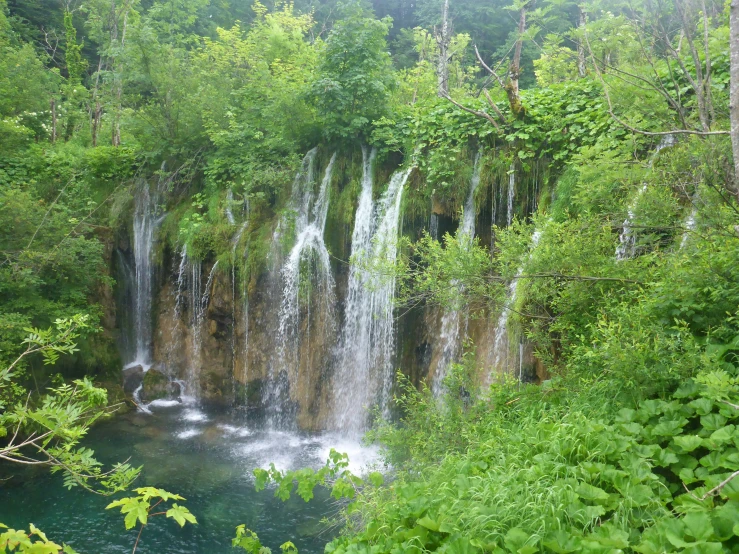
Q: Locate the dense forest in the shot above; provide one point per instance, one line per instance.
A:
(462, 275)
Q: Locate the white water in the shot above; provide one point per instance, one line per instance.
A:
(190, 286)
(511, 192)
(145, 222)
(434, 226)
(627, 239)
(245, 300)
(501, 347)
(689, 227)
(308, 253)
(309, 246)
(452, 321)
(205, 300)
(364, 376)
(229, 210)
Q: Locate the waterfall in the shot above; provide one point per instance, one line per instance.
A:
(245, 299)
(467, 226)
(627, 239)
(434, 226)
(511, 191)
(452, 320)
(364, 376)
(308, 253)
(229, 211)
(689, 227)
(145, 222)
(205, 300)
(501, 347)
(181, 282)
(309, 228)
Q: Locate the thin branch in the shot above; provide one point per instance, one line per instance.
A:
(629, 127)
(488, 68)
(474, 112)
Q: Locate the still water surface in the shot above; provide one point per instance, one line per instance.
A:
(205, 456)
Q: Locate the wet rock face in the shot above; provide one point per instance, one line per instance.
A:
(199, 354)
(133, 377)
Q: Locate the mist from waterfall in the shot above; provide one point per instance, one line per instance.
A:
(364, 375)
(452, 321)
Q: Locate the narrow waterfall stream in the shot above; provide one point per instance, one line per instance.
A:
(501, 344)
(308, 287)
(453, 321)
(627, 247)
(364, 376)
(511, 192)
(146, 219)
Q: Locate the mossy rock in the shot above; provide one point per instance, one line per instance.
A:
(157, 385)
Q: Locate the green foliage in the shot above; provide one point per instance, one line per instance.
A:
(48, 428)
(354, 77)
(76, 65)
(643, 479)
(137, 509)
(343, 483)
(33, 542)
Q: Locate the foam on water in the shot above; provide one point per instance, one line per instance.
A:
(188, 433)
(193, 415)
(233, 430)
(163, 403)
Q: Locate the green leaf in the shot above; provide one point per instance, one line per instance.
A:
(519, 541)
(375, 478)
(698, 525)
(669, 427)
(562, 542)
(688, 443)
(181, 515)
(591, 493)
(428, 523)
(712, 422)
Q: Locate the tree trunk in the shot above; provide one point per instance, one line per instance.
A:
(443, 39)
(734, 88)
(511, 88)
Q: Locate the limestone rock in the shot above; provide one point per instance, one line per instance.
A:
(158, 385)
(133, 376)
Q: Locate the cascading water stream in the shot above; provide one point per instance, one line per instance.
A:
(229, 211)
(452, 320)
(627, 239)
(689, 227)
(501, 347)
(146, 220)
(234, 245)
(511, 192)
(364, 376)
(308, 253)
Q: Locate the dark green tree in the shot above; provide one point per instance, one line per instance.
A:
(355, 75)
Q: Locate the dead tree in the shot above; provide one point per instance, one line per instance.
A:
(443, 39)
